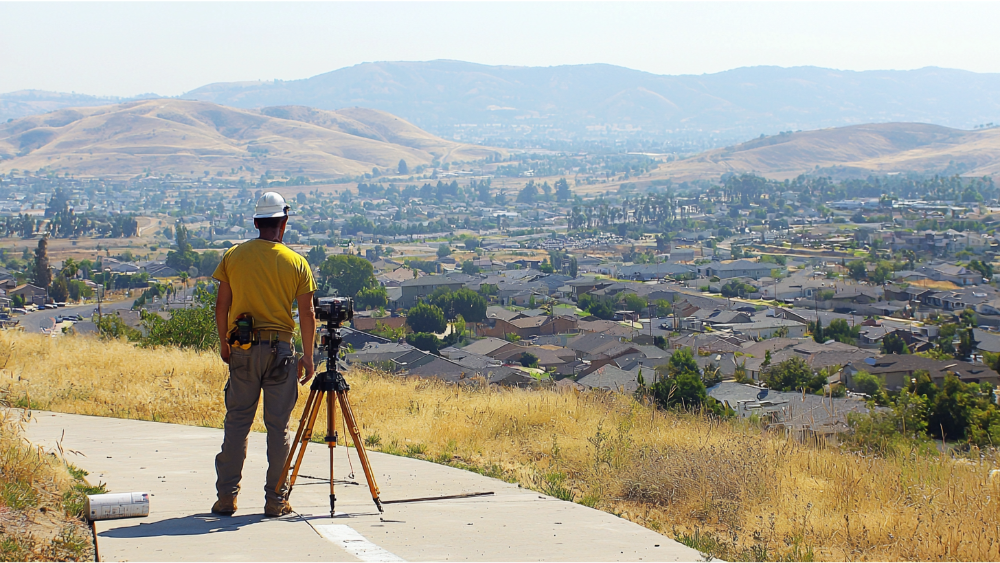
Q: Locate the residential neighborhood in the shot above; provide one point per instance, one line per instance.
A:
(548, 288)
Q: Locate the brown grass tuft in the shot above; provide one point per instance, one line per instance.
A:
(721, 486)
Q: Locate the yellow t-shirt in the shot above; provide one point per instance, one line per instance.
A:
(266, 277)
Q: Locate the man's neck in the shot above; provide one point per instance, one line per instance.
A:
(270, 237)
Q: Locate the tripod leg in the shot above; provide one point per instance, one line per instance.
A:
(303, 424)
(352, 427)
(331, 442)
(306, 436)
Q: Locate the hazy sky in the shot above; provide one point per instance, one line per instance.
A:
(126, 49)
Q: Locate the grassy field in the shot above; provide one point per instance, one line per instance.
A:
(724, 487)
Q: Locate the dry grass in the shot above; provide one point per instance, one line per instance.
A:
(41, 499)
(932, 284)
(720, 486)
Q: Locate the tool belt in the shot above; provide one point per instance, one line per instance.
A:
(245, 335)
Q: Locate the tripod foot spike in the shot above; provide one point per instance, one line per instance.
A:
(378, 503)
(333, 501)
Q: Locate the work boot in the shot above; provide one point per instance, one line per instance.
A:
(224, 506)
(276, 508)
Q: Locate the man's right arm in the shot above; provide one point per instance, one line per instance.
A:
(223, 303)
(307, 324)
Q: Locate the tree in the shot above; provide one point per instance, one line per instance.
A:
(966, 345)
(740, 373)
(184, 257)
(683, 386)
(471, 243)
(528, 360)
(528, 194)
(41, 275)
(817, 330)
(424, 341)
(424, 317)
(192, 327)
(316, 255)
(946, 339)
(984, 268)
(210, 260)
(949, 416)
(465, 303)
(573, 268)
(682, 361)
(867, 383)
(600, 308)
(892, 343)
(402, 168)
(113, 327)
(372, 297)
(79, 290)
(59, 291)
(347, 274)
(634, 303)
(468, 267)
(840, 331)
(857, 270)
(563, 192)
(443, 250)
(792, 375)
(736, 288)
(882, 273)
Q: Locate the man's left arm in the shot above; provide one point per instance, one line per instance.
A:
(307, 324)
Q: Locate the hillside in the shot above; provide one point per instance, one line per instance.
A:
(490, 104)
(851, 151)
(188, 137)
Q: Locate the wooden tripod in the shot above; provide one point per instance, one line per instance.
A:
(331, 386)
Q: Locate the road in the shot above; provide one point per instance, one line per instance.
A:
(175, 465)
(34, 321)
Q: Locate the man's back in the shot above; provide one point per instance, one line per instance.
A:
(265, 277)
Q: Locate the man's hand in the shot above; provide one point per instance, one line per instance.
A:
(306, 369)
(225, 350)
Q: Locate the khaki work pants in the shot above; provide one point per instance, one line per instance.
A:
(250, 372)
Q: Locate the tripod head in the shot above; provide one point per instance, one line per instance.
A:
(335, 311)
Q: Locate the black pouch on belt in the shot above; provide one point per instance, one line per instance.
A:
(243, 333)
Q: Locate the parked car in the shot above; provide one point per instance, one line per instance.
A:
(60, 304)
(50, 306)
(21, 310)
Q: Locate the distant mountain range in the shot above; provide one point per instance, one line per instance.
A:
(190, 138)
(508, 105)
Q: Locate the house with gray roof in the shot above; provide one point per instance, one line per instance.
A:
(416, 289)
(736, 269)
(797, 411)
(611, 378)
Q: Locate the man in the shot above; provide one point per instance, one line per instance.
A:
(261, 278)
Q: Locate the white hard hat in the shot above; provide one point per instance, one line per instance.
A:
(271, 204)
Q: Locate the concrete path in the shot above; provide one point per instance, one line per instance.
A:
(175, 464)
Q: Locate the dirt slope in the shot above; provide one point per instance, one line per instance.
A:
(185, 137)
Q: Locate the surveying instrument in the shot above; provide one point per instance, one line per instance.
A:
(331, 386)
